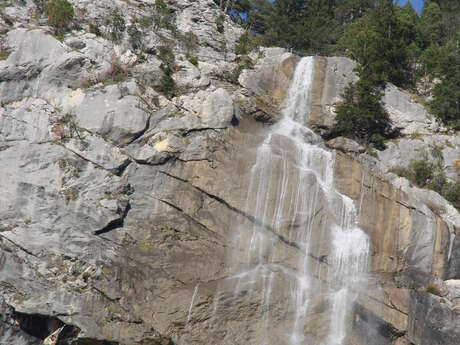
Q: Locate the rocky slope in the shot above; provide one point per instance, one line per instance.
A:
(118, 205)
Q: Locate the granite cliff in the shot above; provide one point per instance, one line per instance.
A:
(119, 204)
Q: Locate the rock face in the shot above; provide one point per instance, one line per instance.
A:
(419, 132)
(119, 206)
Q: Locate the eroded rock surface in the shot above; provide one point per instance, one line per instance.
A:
(119, 205)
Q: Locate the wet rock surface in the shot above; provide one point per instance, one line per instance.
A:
(119, 205)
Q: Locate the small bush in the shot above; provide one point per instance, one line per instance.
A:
(247, 43)
(427, 173)
(361, 115)
(433, 289)
(232, 77)
(220, 23)
(422, 172)
(145, 22)
(118, 74)
(166, 55)
(135, 37)
(117, 26)
(60, 13)
(190, 42)
(452, 194)
(167, 85)
(94, 29)
(378, 141)
(242, 47)
(163, 18)
(193, 60)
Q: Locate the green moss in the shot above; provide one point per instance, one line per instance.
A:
(20, 297)
(193, 60)
(116, 78)
(145, 246)
(4, 54)
(415, 136)
(77, 289)
(106, 272)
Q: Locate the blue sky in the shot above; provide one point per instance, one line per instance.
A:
(418, 4)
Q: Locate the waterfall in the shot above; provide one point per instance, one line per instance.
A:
(195, 291)
(298, 267)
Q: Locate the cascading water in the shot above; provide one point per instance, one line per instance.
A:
(299, 267)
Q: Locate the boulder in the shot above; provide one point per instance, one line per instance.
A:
(345, 145)
(108, 113)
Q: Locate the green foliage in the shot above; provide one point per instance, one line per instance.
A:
(246, 43)
(167, 85)
(3, 54)
(452, 193)
(244, 63)
(190, 41)
(145, 22)
(94, 29)
(361, 115)
(135, 37)
(446, 102)
(433, 289)
(379, 40)
(60, 14)
(243, 45)
(193, 59)
(430, 25)
(117, 26)
(391, 43)
(166, 55)
(118, 74)
(428, 172)
(163, 18)
(220, 23)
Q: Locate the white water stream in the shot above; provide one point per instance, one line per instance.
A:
(305, 297)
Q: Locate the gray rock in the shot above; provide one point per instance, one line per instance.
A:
(332, 76)
(406, 115)
(345, 145)
(31, 52)
(121, 210)
(267, 84)
(107, 113)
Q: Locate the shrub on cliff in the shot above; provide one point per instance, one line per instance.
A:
(167, 86)
(60, 13)
(361, 115)
(429, 173)
(164, 17)
(117, 26)
(446, 102)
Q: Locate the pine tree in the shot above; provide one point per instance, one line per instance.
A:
(430, 25)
